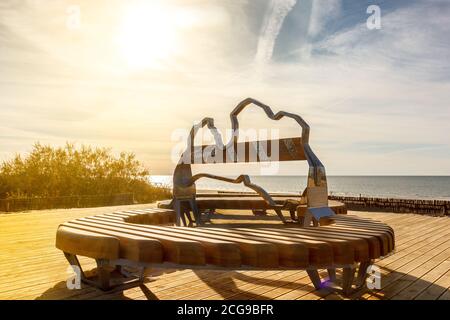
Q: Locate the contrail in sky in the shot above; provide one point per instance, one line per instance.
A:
(277, 12)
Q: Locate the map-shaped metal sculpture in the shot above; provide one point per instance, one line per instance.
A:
(315, 196)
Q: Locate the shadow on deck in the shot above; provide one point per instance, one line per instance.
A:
(241, 286)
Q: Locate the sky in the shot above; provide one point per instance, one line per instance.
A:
(132, 75)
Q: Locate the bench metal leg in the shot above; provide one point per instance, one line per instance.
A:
(362, 273)
(307, 220)
(293, 213)
(315, 278)
(280, 215)
(187, 214)
(332, 274)
(177, 207)
(347, 279)
(140, 274)
(183, 208)
(103, 274)
(183, 218)
(182, 212)
(73, 261)
(103, 278)
(300, 215)
(196, 212)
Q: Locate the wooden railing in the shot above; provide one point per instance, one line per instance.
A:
(434, 207)
(65, 202)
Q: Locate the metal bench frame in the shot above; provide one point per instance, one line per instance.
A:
(103, 279)
(292, 149)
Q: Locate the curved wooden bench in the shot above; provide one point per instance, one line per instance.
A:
(145, 238)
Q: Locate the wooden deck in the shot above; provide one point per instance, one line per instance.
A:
(32, 268)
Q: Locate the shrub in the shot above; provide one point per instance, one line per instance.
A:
(65, 171)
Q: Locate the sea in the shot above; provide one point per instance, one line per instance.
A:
(402, 187)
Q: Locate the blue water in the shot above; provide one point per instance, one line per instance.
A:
(410, 187)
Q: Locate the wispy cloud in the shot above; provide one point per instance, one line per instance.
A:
(322, 12)
(277, 12)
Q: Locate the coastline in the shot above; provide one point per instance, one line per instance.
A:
(432, 207)
(402, 187)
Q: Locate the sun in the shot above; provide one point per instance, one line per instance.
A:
(148, 35)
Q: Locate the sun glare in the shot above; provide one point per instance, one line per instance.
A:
(148, 36)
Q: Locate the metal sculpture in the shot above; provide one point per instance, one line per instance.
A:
(292, 149)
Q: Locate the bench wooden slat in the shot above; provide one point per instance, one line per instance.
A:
(252, 253)
(319, 252)
(375, 226)
(383, 232)
(87, 243)
(385, 239)
(359, 247)
(341, 251)
(222, 253)
(131, 247)
(175, 250)
(362, 241)
(291, 254)
(358, 252)
(146, 216)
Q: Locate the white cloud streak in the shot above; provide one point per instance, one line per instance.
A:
(277, 12)
(322, 11)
